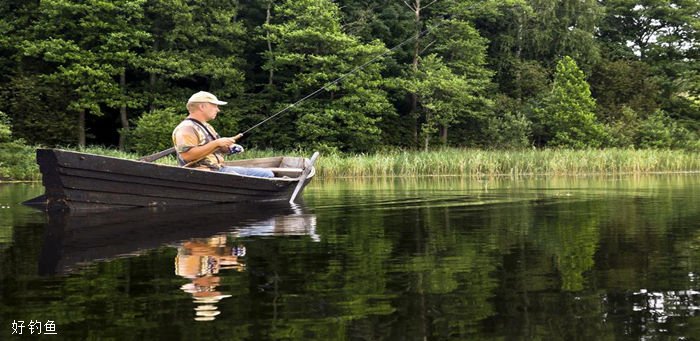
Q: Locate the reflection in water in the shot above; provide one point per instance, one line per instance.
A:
(288, 225)
(200, 260)
(571, 259)
(660, 306)
(71, 240)
(213, 244)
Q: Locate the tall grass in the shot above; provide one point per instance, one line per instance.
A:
(18, 163)
(477, 163)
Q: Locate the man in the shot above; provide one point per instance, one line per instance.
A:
(199, 146)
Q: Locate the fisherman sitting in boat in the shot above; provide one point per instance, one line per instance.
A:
(199, 146)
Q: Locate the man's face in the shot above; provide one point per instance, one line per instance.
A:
(210, 110)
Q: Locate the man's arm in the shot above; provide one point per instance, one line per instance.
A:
(199, 152)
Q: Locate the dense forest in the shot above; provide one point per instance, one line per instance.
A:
(479, 74)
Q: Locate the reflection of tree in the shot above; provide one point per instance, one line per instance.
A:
(446, 273)
(12, 213)
(570, 234)
(397, 266)
(319, 290)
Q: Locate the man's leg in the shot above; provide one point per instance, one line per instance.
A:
(259, 172)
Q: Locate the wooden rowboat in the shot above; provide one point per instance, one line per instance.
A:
(79, 181)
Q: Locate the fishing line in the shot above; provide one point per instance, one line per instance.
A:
(422, 33)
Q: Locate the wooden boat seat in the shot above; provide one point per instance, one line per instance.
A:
(288, 172)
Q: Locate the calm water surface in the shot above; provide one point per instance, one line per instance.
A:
(398, 259)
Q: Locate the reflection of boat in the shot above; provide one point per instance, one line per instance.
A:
(72, 239)
(80, 181)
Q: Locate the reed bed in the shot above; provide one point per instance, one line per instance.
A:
(480, 163)
(447, 161)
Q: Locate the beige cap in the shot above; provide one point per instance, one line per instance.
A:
(205, 97)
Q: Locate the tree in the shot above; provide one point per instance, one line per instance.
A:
(664, 35)
(36, 108)
(310, 50)
(539, 31)
(462, 50)
(195, 45)
(624, 84)
(87, 46)
(441, 94)
(568, 111)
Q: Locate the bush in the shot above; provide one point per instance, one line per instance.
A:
(17, 160)
(508, 131)
(153, 131)
(657, 131)
(5, 130)
(622, 132)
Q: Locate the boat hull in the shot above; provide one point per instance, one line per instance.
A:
(79, 181)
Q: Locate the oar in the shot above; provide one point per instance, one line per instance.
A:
(158, 155)
(303, 177)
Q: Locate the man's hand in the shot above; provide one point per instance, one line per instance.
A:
(226, 142)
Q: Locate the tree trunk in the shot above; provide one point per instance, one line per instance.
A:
(152, 78)
(443, 135)
(122, 111)
(81, 128)
(152, 84)
(416, 50)
(427, 135)
(518, 54)
(271, 72)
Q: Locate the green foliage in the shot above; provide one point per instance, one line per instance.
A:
(539, 32)
(310, 50)
(660, 131)
(153, 131)
(444, 96)
(5, 128)
(18, 162)
(663, 35)
(672, 23)
(65, 65)
(87, 55)
(656, 131)
(568, 113)
(194, 46)
(507, 128)
(623, 131)
(37, 107)
(623, 84)
(16, 157)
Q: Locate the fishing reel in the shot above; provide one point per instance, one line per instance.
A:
(235, 149)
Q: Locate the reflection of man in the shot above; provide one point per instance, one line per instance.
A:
(200, 260)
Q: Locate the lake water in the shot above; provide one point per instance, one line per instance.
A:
(586, 258)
